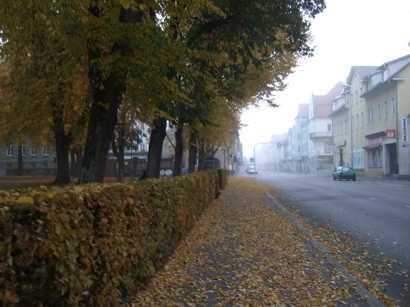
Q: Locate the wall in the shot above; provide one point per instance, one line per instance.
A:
(341, 137)
(358, 122)
(403, 94)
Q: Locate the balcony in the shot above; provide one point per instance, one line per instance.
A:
(320, 134)
(338, 103)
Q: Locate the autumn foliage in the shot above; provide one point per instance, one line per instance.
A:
(94, 245)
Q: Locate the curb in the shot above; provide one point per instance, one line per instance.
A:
(370, 299)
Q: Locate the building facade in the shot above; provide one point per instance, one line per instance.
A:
(355, 88)
(387, 97)
(320, 131)
(341, 131)
(27, 159)
(298, 141)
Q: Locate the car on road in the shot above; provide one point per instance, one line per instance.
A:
(344, 172)
(252, 170)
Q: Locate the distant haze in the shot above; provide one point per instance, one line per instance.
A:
(348, 33)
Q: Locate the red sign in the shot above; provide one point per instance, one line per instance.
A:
(391, 133)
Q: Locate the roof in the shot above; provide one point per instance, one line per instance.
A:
(361, 71)
(388, 81)
(322, 104)
(303, 110)
(393, 61)
(279, 138)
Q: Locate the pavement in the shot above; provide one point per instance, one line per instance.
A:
(248, 249)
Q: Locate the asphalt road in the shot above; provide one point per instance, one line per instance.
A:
(370, 210)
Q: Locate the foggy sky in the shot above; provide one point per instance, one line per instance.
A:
(348, 33)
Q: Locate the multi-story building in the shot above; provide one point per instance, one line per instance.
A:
(281, 156)
(27, 159)
(387, 97)
(354, 89)
(320, 131)
(230, 153)
(277, 154)
(298, 141)
(341, 130)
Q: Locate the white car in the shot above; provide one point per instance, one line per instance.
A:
(252, 170)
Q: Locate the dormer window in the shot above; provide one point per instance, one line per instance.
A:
(385, 75)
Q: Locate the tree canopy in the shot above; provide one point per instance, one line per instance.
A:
(73, 64)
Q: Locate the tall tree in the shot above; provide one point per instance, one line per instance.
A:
(133, 46)
(45, 84)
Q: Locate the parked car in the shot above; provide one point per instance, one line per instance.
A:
(344, 172)
(252, 170)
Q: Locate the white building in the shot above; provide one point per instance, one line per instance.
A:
(320, 131)
(298, 141)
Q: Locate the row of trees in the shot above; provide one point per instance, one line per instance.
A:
(85, 70)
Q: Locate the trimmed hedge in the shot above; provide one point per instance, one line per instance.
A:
(223, 175)
(95, 245)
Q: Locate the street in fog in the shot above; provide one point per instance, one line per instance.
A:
(371, 210)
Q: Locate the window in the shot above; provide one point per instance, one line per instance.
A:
(10, 150)
(329, 127)
(393, 106)
(25, 150)
(33, 150)
(404, 129)
(379, 110)
(362, 119)
(370, 114)
(45, 150)
(375, 158)
(386, 111)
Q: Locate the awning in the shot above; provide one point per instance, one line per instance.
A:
(372, 146)
(376, 135)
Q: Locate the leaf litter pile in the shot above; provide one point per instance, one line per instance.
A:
(242, 253)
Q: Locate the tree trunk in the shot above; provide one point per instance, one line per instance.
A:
(121, 163)
(179, 149)
(193, 151)
(201, 157)
(73, 163)
(20, 168)
(106, 99)
(157, 137)
(76, 158)
(118, 148)
(62, 144)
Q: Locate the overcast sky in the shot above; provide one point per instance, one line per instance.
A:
(348, 33)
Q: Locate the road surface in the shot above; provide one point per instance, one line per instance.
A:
(370, 209)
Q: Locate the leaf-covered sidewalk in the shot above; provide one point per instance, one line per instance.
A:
(242, 253)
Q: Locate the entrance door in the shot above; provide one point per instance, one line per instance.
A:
(341, 162)
(393, 161)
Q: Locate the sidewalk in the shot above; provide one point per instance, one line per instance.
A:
(243, 253)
